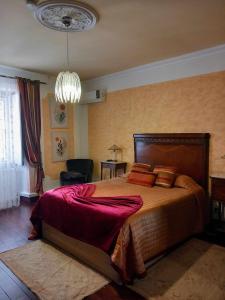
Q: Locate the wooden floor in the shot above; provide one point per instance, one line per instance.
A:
(14, 230)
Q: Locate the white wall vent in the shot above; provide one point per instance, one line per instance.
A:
(92, 97)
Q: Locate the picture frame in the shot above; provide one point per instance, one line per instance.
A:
(58, 114)
(59, 146)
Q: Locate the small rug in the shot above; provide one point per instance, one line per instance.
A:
(194, 271)
(51, 274)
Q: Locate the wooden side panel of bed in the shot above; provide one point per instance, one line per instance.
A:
(189, 152)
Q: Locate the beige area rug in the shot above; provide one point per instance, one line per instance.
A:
(51, 274)
(194, 271)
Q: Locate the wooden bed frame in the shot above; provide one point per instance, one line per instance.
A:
(188, 152)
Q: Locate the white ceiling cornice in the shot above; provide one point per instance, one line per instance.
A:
(192, 64)
(10, 71)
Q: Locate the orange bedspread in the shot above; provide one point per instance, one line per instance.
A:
(167, 217)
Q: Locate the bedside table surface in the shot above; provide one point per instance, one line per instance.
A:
(113, 162)
(219, 175)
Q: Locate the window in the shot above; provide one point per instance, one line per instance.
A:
(10, 133)
(10, 144)
(2, 130)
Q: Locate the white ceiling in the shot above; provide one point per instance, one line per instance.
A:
(129, 33)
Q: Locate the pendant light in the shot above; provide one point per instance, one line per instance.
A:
(68, 86)
(65, 16)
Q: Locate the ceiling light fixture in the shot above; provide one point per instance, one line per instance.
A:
(67, 86)
(65, 16)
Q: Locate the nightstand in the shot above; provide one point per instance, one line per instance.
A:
(218, 192)
(215, 230)
(114, 167)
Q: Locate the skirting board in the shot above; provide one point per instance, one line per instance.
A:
(28, 195)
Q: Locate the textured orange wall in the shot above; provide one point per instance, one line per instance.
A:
(52, 169)
(195, 104)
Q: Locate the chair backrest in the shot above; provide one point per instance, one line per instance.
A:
(81, 165)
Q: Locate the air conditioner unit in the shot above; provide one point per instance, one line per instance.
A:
(92, 97)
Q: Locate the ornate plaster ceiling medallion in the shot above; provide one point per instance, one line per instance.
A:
(53, 14)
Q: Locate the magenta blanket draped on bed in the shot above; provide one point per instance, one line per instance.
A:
(94, 220)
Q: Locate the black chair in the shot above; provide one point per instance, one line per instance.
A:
(78, 171)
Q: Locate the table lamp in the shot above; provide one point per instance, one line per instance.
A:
(114, 148)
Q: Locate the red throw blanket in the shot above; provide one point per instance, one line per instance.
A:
(94, 220)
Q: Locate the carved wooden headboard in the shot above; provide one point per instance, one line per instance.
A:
(189, 152)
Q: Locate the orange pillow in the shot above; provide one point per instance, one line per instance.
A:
(140, 174)
(147, 178)
(166, 175)
(141, 167)
(168, 169)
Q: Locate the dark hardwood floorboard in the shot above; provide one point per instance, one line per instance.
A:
(18, 286)
(11, 288)
(15, 226)
(3, 295)
(14, 230)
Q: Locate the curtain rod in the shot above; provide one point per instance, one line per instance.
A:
(11, 77)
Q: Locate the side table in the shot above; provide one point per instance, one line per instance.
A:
(113, 166)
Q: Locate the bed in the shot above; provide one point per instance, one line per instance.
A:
(167, 217)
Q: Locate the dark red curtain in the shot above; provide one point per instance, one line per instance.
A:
(31, 126)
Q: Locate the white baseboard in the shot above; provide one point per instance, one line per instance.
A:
(28, 194)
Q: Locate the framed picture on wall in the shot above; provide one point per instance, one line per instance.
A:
(58, 113)
(59, 146)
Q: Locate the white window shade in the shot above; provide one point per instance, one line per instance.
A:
(10, 144)
(10, 126)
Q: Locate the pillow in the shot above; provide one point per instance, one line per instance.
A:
(184, 181)
(141, 167)
(140, 174)
(166, 175)
(145, 178)
(169, 169)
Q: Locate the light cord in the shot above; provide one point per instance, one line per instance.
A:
(67, 49)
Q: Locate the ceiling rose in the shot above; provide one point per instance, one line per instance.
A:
(65, 16)
(53, 14)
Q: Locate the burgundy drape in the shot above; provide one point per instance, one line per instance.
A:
(31, 126)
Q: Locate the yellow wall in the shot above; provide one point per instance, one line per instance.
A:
(52, 169)
(195, 104)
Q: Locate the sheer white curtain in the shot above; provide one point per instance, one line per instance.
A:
(10, 144)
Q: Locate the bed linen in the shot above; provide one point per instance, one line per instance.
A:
(94, 220)
(167, 217)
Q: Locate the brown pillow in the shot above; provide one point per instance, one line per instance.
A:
(169, 169)
(166, 175)
(141, 167)
(145, 178)
(186, 182)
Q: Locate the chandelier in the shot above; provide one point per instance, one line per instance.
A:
(67, 16)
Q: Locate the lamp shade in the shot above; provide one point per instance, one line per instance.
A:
(68, 87)
(114, 148)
